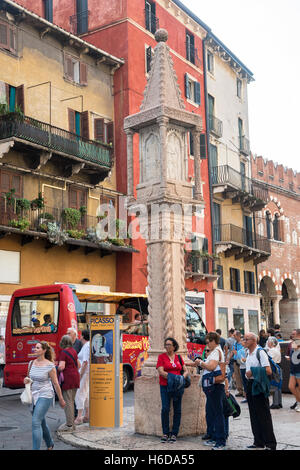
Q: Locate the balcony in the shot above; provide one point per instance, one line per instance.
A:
(238, 187)
(36, 136)
(199, 267)
(241, 243)
(53, 226)
(215, 126)
(244, 145)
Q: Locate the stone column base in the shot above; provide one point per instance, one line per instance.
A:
(147, 408)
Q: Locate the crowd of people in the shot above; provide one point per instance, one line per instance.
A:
(248, 363)
(67, 377)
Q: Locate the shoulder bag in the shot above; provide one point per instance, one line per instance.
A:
(26, 395)
(220, 378)
(187, 379)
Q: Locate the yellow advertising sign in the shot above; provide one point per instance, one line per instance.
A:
(106, 375)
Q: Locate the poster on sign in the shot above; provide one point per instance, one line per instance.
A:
(106, 391)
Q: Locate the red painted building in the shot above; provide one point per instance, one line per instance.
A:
(125, 28)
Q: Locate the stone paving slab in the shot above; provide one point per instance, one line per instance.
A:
(286, 426)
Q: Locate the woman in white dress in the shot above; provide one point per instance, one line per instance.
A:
(82, 395)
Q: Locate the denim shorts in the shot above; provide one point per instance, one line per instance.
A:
(296, 374)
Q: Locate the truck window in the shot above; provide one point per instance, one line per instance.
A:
(35, 314)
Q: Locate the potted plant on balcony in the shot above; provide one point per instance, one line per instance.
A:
(71, 217)
(77, 234)
(22, 205)
(21, 223)
(38, 203)
(56, 235)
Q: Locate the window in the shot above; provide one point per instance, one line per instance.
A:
(104, 131)
(249, 282)
(79, 123)
(210, 62)
(253, 321)
(48, 10)
(202, 146)
(149, 56)
(11, 261)
(192, 89)
(190, 47)
(77, 198)
(150, 17)
(8, 37)
(14, 97)
(220, 283)
(239, 87)
(235, 283)
(75, 70)
(191, 143)
(223, 320)
(35, 314)
(82, 16)
(238, 320)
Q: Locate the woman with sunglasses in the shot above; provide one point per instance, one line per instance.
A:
(215, 433)
(169, 363)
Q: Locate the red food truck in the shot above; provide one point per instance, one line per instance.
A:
(46, 312)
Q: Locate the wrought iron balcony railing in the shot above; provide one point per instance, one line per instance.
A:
(234, 180)
(215, 125)
(229, 233)
(53, 138)
(244, 145)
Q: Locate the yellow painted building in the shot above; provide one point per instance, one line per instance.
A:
(56, 157)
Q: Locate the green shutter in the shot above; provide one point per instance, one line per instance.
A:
(186, 86)
(197, 93)
(203, 146)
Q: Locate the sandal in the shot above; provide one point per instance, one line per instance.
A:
(78, 421)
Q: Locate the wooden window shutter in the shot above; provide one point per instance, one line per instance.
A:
(68, 67)
(73, 198)
(85, 125)
(16, 183)
(246, 284)
(238, 281)
(252, 282)
(110, 133)
(5, 179)
(99, 129)
(4, 35)
(186, 86)
(72, 121)
(220, 274)
(203, 146)
(231, 279)
(12, 39)
(83, 73)
(20, 99)
(197, 93)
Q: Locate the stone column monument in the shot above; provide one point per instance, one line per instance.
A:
(166, 197)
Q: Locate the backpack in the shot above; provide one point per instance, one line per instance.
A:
(276, 377)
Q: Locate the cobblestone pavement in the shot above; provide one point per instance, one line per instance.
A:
(286, 426)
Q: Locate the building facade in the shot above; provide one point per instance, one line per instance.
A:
(56, 157)
(279, 221)
(235, 196)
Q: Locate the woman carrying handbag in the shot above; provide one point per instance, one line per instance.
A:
(213, 380)
(42, 373)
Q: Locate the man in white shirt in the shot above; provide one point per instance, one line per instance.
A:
(260, 415)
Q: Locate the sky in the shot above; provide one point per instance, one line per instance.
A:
(264, 35)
